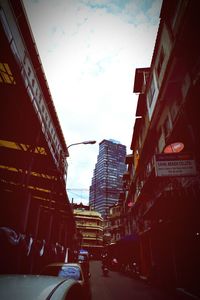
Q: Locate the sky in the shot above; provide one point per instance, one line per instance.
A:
(89, 51)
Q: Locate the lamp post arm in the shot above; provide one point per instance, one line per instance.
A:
(74, 144)
(84, 143)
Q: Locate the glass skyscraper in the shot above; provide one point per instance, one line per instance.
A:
(107, 176)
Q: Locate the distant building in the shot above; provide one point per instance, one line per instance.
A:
(107, 177)
(115, 223)
(89, 225)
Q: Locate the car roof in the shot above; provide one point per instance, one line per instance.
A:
(58, 264)
(31, 286)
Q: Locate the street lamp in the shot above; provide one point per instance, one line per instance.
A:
(84, 143)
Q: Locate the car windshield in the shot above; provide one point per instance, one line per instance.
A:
(82, 257)
(64, 271)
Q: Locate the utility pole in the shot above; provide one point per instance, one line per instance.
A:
(106, 212)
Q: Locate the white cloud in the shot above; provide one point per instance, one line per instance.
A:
(89, 54)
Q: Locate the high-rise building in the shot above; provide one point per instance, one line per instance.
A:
(107, 177)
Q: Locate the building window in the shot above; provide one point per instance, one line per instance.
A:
(167, 127)
(175, 12)
(29, 71)
(33, 83)
(146, 77)
(6, 75)
(148, 169)
(160, 61)
(5, 25)
(174, 111)
(151, 92)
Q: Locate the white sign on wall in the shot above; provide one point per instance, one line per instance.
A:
(178, 164)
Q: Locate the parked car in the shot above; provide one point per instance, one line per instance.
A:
(69, 271)
(83, 260)
(31, 287)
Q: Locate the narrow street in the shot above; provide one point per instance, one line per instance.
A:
(117, 286)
